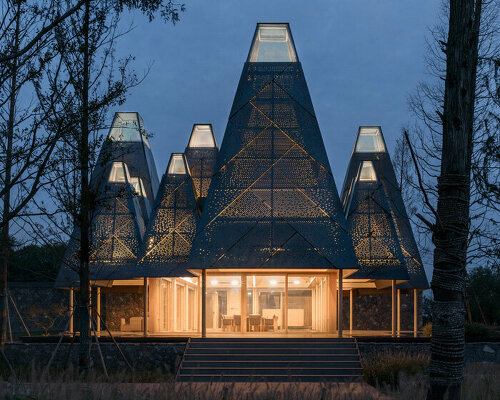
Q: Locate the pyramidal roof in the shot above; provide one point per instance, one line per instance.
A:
(376, 215)
(117, 230)
(272, 202)
(127, 141)
(201, 155)
(172, 226)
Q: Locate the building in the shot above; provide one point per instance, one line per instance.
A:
(252, 238)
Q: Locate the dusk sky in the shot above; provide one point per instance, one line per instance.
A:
(361, 59)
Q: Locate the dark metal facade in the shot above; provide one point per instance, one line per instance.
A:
(272, 202)
(171, 229)
(378, 223)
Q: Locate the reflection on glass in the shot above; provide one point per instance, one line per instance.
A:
(266, 303)
(118, 172)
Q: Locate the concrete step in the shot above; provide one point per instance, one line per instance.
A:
(270, 360)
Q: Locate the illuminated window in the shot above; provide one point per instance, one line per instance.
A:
(118, 172)
(367, 172)
(272, 43)
(138, 186)
(127, 127)
(202, 136)
(176, 164)
(370, 140)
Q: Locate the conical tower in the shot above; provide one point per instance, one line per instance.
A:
(117, 231)
(127, 142)
(272, 202)
(376, 215)
(172, 225)
(201, 155)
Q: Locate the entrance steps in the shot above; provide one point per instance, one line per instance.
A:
(270, 360)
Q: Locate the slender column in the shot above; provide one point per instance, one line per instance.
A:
(286, 303)
(341, 293)
(415, 313)
(98, 305)
(244, 298)
(350, 311)
(398, 313)
(393, 304)
(71, 308)
(331, 302)
(204, 303)
(145, 322)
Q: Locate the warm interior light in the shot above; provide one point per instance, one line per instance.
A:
(234, 282)
(249, 293)
(296, 282)
(214, 282)
(272, 282)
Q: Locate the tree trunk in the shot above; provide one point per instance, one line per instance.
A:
(5, 240)
(85, 206)
(452, 224)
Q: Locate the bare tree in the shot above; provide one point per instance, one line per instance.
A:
(451, 226)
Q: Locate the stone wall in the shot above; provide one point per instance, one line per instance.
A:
(41, 306)
(163, 357)
(374, 311)
(474, 351)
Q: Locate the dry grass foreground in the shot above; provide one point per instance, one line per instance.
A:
(481, 383)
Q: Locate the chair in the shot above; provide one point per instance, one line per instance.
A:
(270, 323)
(237, 323)
(255, 322)
(227, 323)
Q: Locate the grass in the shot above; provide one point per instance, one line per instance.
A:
(384, 369)
(479, 384)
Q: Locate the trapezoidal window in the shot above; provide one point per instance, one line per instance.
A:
(272, 43)
(202, 136)
(119, 172)
(177, 164)
(370, 140)
(127, 127)
(138, 186)
(367, 172)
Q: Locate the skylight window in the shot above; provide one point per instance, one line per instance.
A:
(127, 127)
(138, 186)
(119, 172)
(202, 136)
(272, 43)
(370, 140)
(176, 164)
(367, 173)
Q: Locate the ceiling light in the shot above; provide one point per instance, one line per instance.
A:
(272, 282)
(234, 282)
(214, 282)
(296, 282)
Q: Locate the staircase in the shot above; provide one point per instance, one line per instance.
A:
(270, 360)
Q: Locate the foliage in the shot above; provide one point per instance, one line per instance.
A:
(385, 368)
(36, 263)
(45, 318)
(483, 292)
(477, 330)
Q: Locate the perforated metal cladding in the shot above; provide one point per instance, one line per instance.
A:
(201, 163)
(363, 201)
(273, 202)
(117, 230)
(171, 230)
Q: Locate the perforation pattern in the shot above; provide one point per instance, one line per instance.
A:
(379, 225)
(273, 201)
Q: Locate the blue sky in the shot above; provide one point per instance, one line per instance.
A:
(361, 59)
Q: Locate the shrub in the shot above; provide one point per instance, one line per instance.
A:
(427, 330)
(475, 329)
(384, 368)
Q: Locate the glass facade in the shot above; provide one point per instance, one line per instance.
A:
(202, 136)
(370, 140)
